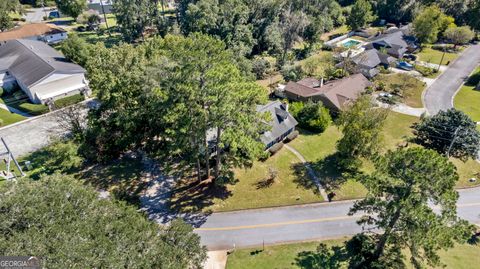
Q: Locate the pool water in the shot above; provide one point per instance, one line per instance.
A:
(350, 43)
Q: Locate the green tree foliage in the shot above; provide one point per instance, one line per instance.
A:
(6, 7)
(361, 248)
(430, 23)
(133, 17)
(471, 15)
(71, 8)
(396, 10)
(361, 126)
(76, 49)
(449, 132)
(292, 72)
(314, 117)
(361, 15)
(459, 35)
(69, 226)
(398, 201)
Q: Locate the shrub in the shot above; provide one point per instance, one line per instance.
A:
(1, 91)
(292, 136)
(292, 72)
(33, 109)
(314, 117)
(276, 148)
(260, 67)
(425, 71)
(1, 122)
(295, 108)
(69, 100)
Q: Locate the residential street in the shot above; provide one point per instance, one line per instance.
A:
(299, 223)
(439, 96)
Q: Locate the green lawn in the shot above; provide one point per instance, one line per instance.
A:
(8, 117)
(296, 256)
(468, 99)
(427, 54)
(412, 87)
(252, 190)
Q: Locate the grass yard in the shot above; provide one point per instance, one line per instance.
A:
(397, 129)
(335, 33)
(468, 99)
(300, 255)
(427, 54)
(93, 38)
(412, 87)
(8, 117)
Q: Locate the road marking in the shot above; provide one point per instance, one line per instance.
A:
(276, 224)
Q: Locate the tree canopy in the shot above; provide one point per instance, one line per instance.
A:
(7, 6)
(449, 132)
(71, 8)
(400, 194)
(430, 23)
(361, 15)
(133, 17)
(66, 223)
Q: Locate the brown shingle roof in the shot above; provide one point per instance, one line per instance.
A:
(30, 30)
(300, 90)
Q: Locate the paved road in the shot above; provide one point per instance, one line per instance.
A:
(439, 96)
(35, 15)
(299, 223)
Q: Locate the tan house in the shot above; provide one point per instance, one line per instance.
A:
(333, 94)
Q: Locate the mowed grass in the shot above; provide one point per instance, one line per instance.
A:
(413, 88)
(8, 117)
(291, 186)
(435, 56)
(295, 256)
(468, 98)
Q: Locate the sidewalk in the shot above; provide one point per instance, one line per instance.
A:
(216, 260)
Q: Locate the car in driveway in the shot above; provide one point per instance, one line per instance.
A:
(410, 57)
(405, 66)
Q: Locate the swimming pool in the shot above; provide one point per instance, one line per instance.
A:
(350, 43)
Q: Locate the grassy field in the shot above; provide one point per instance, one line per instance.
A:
(413, 88)
(434, 56)
(296, 256)
(468, 99)
(252, 189)
(8, 117)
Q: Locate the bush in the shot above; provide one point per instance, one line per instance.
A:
(292, 136)
(292, 72)
(295, 108)
(260, 67)
(425, 71)
(33, 109)
(276, 148)
(69, 100)
(1, 122)
(314, 117)
(1, 91)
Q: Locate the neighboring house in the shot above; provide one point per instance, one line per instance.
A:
(45, 32)
(282, 123)
(97, 6)
(394, 42)
(369, 61)
(334, 94)
(40, 71)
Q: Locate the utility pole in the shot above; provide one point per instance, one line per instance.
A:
(105, 18)
(443, 56)
(453, 141)
(9, 160)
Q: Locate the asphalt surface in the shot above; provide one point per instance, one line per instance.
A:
(35, 15)
(299, 223)
(439, 96)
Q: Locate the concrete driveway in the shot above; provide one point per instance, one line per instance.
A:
(439, 96)
(245, 228)
(35, 15)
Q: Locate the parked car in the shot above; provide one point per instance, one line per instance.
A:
(411, 57)
(54, 15)
(405, 66)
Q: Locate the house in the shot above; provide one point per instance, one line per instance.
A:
(334, 94)
(45, 32)
(40, 71)
(101, 6)
(282, 123)
(394, 42)
(369, 62)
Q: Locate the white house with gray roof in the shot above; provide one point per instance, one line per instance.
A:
(282, 123)
(40, 71)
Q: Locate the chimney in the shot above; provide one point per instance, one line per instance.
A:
(285, 106)
(321, 82)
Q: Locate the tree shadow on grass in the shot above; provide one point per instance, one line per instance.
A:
(124, 178)
(323, 257)
(303, 179)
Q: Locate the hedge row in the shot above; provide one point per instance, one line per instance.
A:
(33, 109)
(69, 100)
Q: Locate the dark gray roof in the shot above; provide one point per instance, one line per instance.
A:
(372, 58)
(281, 121)
(32, 61)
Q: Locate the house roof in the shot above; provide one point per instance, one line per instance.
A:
(394, 40)
(32, 61)
(338, 92)
(342, 90)
(309, 82)
(372, 58)
(281, 121)
(31, 30)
